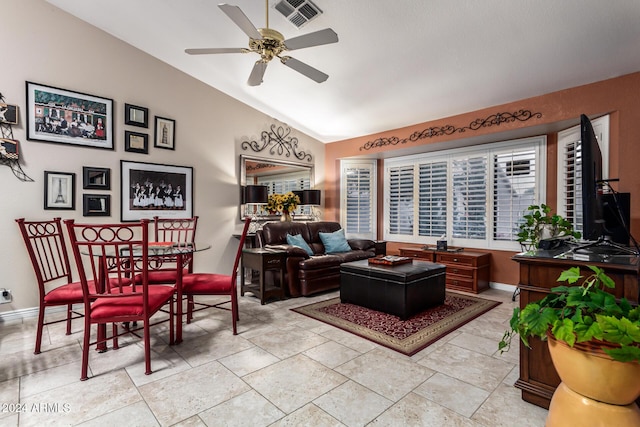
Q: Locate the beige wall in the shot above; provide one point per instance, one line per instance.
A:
(48, 46)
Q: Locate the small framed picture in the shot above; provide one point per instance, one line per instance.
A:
(136, 116)
(96, 178)
(8, 114)
(136, 142)
(96, 205)
(59, 190)
(165, 136)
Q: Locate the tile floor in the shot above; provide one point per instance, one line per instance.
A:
(283, 369)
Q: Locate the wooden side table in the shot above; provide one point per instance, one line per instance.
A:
(261, 260)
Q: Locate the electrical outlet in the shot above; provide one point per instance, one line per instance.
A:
(5, 296)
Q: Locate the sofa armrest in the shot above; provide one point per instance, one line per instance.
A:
(290, 250)
(362, 244)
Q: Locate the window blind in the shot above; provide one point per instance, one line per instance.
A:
(432, 199)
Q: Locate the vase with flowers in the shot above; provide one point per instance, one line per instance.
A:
(285, 204)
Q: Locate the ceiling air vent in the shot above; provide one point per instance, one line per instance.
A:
(298, 12)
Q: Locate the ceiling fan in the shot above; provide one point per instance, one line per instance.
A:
(269, 44)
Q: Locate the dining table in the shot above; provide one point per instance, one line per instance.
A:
(159, 254)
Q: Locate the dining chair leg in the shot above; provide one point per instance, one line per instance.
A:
(39, 331)
(114, 335)
(190, 307)
(69, 315)
(85, 351)
(147, 348)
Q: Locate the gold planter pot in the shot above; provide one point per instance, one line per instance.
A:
(595, 390)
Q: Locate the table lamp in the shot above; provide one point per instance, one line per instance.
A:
(312, 198)
(255, 195)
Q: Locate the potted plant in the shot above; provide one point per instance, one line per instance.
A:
(539, 224)
(594, 341)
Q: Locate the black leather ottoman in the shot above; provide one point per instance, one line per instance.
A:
(402, 290)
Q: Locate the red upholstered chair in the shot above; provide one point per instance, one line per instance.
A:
(215, 284)
(48, 254)
(110, 255)
(176, 230)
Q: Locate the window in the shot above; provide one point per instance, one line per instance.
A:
(569, 178)
(280, 184)
(358, 198)
(474, 196)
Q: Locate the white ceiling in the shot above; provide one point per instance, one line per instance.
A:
(397, 63)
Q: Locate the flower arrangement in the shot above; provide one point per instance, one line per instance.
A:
(285, 203)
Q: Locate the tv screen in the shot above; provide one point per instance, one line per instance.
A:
(591, 170)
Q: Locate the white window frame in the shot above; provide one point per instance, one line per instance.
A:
(572, 135)
(371, 166)
(488, 150)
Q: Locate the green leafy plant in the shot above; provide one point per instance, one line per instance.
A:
(537, 218)
(578, 314)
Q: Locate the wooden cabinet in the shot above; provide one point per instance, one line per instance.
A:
(466, 271)
(538, 378)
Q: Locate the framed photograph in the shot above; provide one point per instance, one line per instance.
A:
(136, 142)
(96, 178)
(66, 117)
(59, 190)
(96, 205)
(9, 149)
(165, 136)
(136, 116)
(150, 189)
(8, 114)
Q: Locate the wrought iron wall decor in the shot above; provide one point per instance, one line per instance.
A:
(493, 120)
(9, 153)
(260, 166)
(279, 142)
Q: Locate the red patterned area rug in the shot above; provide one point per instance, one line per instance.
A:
(405, 336)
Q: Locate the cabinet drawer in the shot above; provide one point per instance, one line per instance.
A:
(460, 283)
(446, 258)
(459, 270)
(417, 253)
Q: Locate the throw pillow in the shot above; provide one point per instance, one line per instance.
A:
(335, 242)
(299, 241)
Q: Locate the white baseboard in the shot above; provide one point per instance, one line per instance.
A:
(503, 287)
(28, 313)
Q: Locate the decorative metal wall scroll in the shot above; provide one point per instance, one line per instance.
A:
(9, 153)
(493, 120)
(279, 142)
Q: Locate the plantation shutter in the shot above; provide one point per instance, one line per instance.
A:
(358, 199)
(469, 197)
(401, 200)
(514, 189)
(432, 199)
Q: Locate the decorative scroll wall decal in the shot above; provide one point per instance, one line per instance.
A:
(279, 142)
(259, 166)
(493, 120)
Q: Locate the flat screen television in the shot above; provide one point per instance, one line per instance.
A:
(591, 181)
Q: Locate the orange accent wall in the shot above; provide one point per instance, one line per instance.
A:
(617, 97)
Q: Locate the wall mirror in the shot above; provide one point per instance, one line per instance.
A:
(280, 176)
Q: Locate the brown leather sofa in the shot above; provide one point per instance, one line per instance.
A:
(306, 275)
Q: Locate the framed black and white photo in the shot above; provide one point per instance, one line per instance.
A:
(150, 189)
(67, 117)
(136, 142)
(8, 114)
(165, 136)
(136, 116)
(59, 190)
(96, 205)
(96, 178)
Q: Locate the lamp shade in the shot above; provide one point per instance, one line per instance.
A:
(311, 197)
(300, 195)
(256, 194)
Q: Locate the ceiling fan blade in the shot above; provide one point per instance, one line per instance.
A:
(316, 38)
(314, 74)
(255, 79)
(241, 20)
(208, 51)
